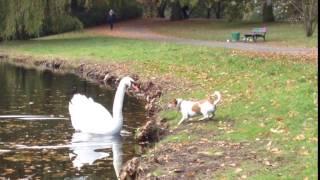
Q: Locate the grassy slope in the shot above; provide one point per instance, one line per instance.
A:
(265, 100)
(284, 34)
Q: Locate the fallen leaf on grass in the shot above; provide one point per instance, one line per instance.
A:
(238, 170)
(304, 152)
(277, 131)
(300, 137)
(205, 153)
(8, 171)
(269, 145)
(231, 131)
(262, 125)
(243, 177)
(204, 140)
(313, 139)
(218, 153)
(178, 170)
(276, 151)
(267, 163)
(191, 174)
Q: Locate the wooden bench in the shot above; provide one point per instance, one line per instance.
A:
(255, 33)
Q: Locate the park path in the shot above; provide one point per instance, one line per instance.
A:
(140, 29)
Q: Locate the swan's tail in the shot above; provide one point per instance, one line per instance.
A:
(78, 106)
(218, 95)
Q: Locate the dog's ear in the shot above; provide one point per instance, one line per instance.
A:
(173, 103)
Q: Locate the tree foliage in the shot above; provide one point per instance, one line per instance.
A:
(24, 19)
(31, 18)
(21, 17)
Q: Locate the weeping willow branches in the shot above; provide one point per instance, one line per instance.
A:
(24, 19)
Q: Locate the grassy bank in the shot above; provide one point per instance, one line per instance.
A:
(284, 34)
(270, 104)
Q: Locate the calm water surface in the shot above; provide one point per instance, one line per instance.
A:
(37, 140)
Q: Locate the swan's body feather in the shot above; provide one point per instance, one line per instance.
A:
(89, 116)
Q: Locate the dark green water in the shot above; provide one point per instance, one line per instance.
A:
(49, 148)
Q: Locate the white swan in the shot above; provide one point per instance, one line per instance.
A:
(91, 117)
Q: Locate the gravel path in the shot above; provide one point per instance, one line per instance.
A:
(139, 29)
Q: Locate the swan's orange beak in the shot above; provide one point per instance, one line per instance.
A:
(135, 87)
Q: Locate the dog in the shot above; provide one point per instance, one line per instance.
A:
(206, 107)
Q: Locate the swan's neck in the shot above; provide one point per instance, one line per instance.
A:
(118, 104)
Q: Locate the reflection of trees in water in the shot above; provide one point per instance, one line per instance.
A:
(39, 92)
(84, 149)
(27, 91)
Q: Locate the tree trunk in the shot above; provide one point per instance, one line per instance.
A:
(218, 10)
(310, 14)
(267, 11)
(209, 13)
(309, 29)
(162, 8)
(176, 12)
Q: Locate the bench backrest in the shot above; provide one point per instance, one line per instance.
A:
(260, 30)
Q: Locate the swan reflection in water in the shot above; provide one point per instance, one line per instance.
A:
(84, 149)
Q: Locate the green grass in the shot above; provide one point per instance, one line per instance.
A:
(270, 100)
(284, 34)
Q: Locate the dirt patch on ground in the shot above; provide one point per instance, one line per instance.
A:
(195, 159)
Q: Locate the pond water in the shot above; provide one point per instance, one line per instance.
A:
(37, 140)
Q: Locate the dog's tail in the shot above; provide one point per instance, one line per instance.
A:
(218, 95)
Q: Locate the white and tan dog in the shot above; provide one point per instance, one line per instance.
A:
(206, 107)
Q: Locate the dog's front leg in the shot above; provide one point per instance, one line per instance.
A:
(205, 116)
(211, 115)
(184, 117)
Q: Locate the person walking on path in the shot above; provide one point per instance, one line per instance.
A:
(111, 18)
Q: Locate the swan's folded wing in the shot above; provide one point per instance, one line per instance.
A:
(85, 113)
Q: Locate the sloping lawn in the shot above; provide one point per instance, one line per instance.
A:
(283, 34)
(272, 104)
